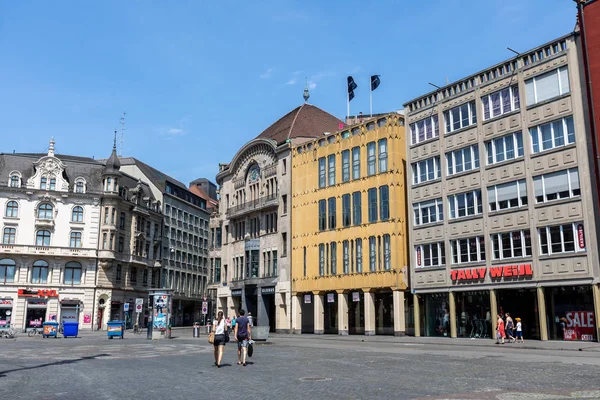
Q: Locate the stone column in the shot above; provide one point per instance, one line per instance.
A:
(493, 312)
(452, 304)
(541, 299)
(342, 313)
(417, 315)
(596, 295)
(369, 313)
(399, 319)
(296, 314)
(319, 313)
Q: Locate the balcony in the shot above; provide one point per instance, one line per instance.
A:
(44, 223)
(253, 205)
(46, 250)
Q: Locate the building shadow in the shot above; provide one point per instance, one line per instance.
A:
(55, 363)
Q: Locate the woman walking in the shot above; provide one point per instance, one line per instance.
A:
(218, 329)
(500, 334)
(510, 328)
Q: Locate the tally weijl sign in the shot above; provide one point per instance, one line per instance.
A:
(496, 272)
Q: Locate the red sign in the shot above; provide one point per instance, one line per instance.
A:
(37, 293)
(579, 325)
(580, 236)
(419, 256)
(503, 271)
(6, 302)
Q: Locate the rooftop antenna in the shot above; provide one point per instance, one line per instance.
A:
(306, 95)
(122, 132)
(514, 51)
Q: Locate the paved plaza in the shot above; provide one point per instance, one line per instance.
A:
(297, 367)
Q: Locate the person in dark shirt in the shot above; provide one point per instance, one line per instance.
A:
(242, 334)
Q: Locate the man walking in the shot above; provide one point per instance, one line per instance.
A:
(242, 334)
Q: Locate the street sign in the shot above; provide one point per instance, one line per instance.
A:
(204, 307)
(125, 307)
(139, 305)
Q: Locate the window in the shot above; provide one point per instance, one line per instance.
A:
(346, 210)
(356, 208)
(372, 197)
(333, 257)
(118, 272)
(14, 181)
(384, 202)
(468, 250)
(557, 185)
(387, 253)
(507, 195)
(79, 188)
(346, 255)
(466, 159)
(284, 242)
(122, 221)
(460, 117)
(562, 238)
(77, 214)
(72, 273)
(332, 215)
(371, 158)
(284, 201)
(356, 163)
(430, 255)
(45, 211)
(39, 272)
(465, 204)
(372, 254)
(145, 277)
(383, 155)
(42, 238)
(43, 183)
(547, 86)
(322, 181)
(75, 241)
(133, 275)
(322, 215)
(275, 259)
(504, 148)
(12, 209)
(426, 170)
(321, 259)
(552, 135)
(52, 184)
(345, 165)
(121, 247)
(7, 270)
(359, 255)
(425, 129)
(428, 212)
(515, 244)
(9, 236)
(331, 169)
(500, 102)
(304, 260)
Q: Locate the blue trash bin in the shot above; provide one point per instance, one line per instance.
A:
(49, 329)
(115, 329)
(70, 329)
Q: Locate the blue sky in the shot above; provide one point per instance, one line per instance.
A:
(198, 79)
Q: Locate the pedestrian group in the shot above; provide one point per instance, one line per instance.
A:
(242, 333)
(506, 330)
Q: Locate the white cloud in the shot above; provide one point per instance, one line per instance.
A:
(355, 70)
(312, 84)
(267, 73)
(291, 81)
(176, 131)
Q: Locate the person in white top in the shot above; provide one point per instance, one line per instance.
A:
(218, 329)
(519, 331)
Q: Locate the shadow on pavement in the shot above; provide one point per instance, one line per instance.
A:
(62, 362)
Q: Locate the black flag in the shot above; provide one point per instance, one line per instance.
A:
(351, 86)
(375, 81)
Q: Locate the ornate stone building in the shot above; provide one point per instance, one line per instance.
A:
(253, 271)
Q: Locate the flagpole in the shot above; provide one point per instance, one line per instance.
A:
(348, 105)
(371, 100)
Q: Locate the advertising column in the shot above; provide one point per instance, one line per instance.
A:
(161, 313)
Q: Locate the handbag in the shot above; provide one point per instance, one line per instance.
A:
(211, 338)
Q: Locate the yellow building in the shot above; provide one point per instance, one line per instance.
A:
(349, 238)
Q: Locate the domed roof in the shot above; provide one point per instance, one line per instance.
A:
(113, 165)
(303, 121)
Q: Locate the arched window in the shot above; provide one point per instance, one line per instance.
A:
(79, 187)
(45, 211)
(9, 235)
(77, 214)
(43, 183)
(133, 277)
(75, 241)
(7, 270)
(39, 272)
(42, 238)
(15, 181)
(12, 209)
(72, 273)
(118, 272)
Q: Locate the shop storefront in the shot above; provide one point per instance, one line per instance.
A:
(570, 311)
(435, 314)
(69, 310)
(473, 314)
(36, 313)
(384, 313)
(6, 313)
(330, 313)
(520, 303)
(308, 313)
(268, 306)
(356, 313)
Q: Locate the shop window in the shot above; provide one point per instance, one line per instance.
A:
(571, 313)
(7, 270)
(72, 274)
(39, 272)
(473, 315)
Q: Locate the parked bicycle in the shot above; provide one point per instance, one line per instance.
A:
(9, 333)
(61, 328)
(35, 332)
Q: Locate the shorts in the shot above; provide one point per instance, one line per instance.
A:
(509, 332)
(519, 335)
(219, 340)
(242, 341)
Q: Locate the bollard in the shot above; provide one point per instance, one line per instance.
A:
(196, 330)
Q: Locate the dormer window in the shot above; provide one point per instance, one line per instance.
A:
(52, 184)
(79, 185)
(15, 181)
(43, 183)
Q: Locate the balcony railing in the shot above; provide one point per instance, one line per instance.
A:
(253, 205)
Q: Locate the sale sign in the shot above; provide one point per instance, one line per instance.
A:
(579, 325)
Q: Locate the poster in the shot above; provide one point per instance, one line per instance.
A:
(161, 309)
(307, 299)
(355, 296)
(578, 325)
(87, 318)
(330, 298)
